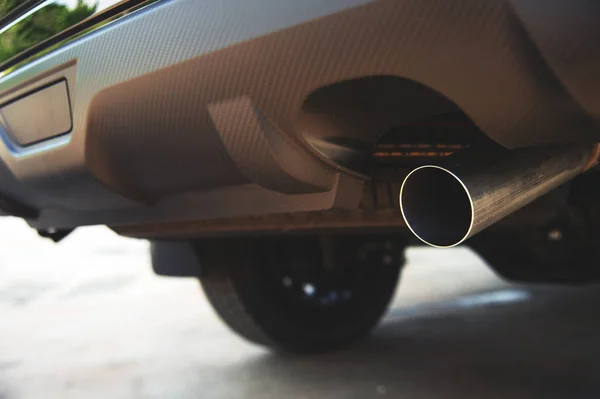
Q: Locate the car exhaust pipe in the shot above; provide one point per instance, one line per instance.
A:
(445, 205)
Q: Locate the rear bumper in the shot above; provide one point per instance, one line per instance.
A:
(188, 110)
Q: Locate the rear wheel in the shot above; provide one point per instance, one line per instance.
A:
(302, 294)
(563, 250)
(556, 255)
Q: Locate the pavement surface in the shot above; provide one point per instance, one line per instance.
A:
(88, 319)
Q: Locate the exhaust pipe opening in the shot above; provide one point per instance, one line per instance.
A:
(436, 206)
(443, 206)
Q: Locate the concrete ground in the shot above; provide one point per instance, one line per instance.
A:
(87, 319)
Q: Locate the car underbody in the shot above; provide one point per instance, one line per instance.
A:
(237, 138)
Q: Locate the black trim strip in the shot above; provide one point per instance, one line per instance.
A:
(72, 31)
(22, 9)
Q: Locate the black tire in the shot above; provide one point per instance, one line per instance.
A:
(541, 257)
(564, 250)
(247, 285)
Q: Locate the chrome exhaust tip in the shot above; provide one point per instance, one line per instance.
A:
(445, 205)
(436, 206)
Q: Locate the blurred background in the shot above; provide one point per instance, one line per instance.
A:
(87, 318)
(43, 22)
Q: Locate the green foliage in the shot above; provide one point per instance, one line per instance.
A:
(39, 26)
(7, 6)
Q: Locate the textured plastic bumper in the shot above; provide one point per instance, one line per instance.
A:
(188, 110)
